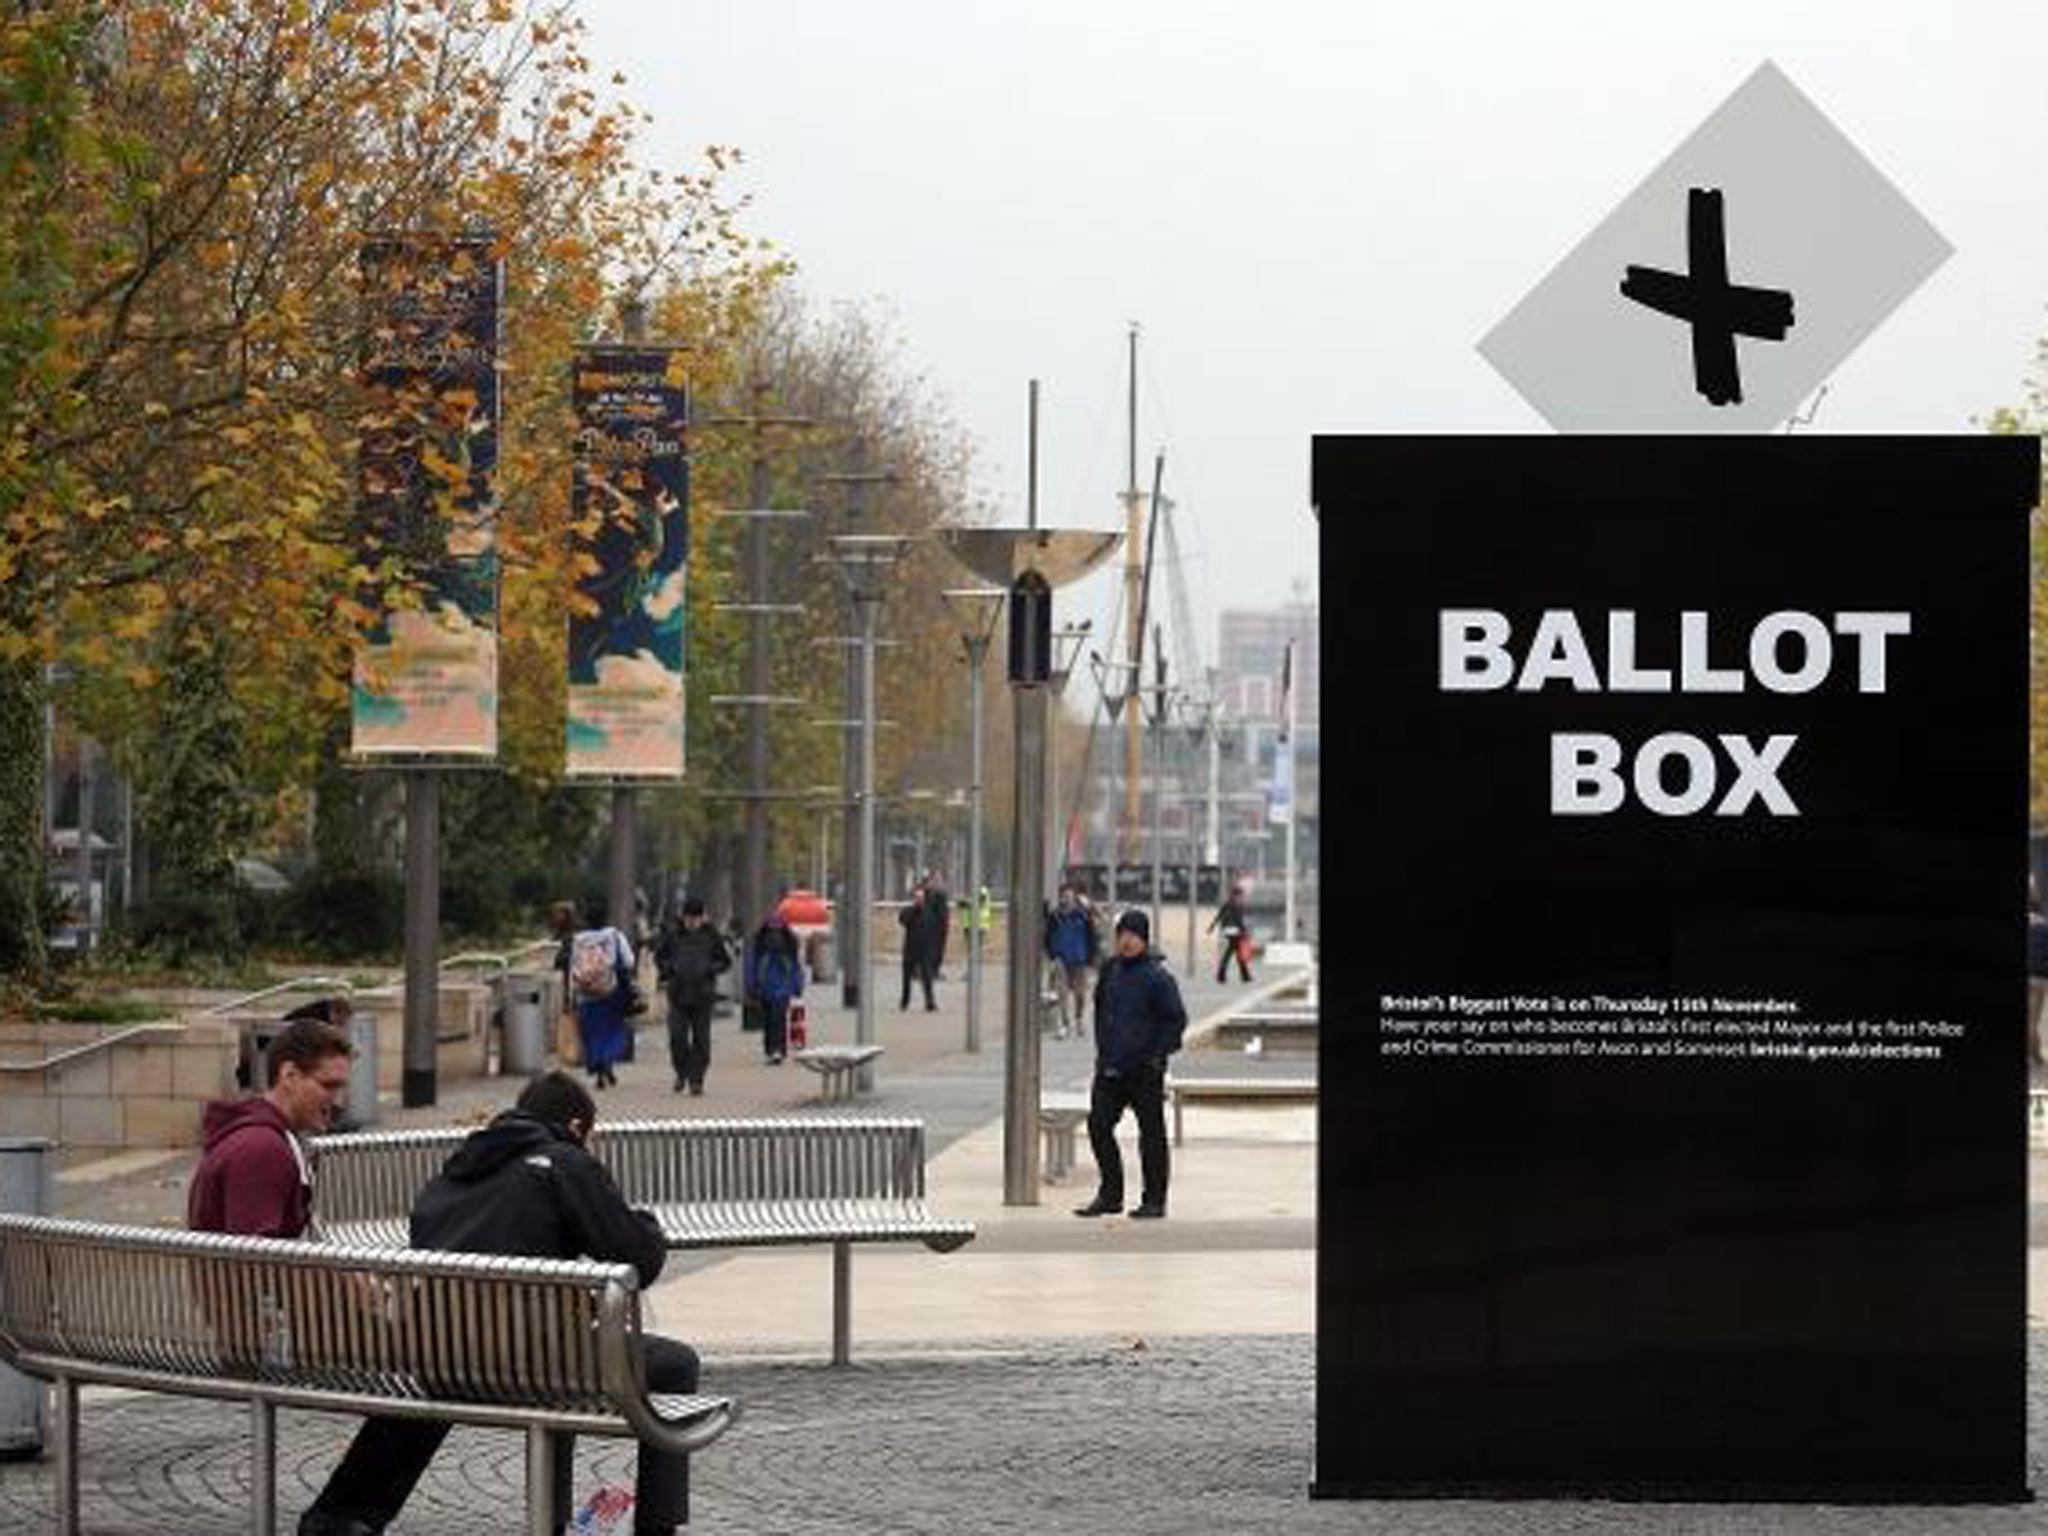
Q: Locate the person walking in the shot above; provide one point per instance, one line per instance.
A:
(601, 966)
(1071, 945)
(689, 958)
(1139, 1020)
(523, 1185)
(775, 974)
(938, 919)
(1229, 924)
(253, 1178)
(919, 943)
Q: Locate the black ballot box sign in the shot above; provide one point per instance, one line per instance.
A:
(1673, 1076)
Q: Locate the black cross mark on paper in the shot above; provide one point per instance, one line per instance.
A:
(1717, 310)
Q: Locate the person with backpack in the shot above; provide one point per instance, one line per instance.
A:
(689, 957)
(775, 974)
(601, 978)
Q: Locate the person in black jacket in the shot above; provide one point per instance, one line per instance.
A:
(920, 944)
(521, 1185)
(1139, 1020)
(689, 957)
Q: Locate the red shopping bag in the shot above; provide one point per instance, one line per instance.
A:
(799, 1024)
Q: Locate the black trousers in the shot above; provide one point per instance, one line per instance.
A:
(388, 1457)
(920, 969)
(689, 1040)
(1143, 1090)
(1229, 953)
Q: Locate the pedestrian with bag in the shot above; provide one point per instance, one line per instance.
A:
(1139, 1021)
(601, 966)
(1229, 924)
(690, 957)
(524, 1185)
(775, 975)
(1071, 945)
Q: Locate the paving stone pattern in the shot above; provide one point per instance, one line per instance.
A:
(1072, 1436)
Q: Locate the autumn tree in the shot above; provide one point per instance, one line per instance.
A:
(189, 183)
(2030, 417)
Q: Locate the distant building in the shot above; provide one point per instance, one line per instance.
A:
(1250, 644)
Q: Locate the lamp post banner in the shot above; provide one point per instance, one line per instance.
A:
(426, 670)
(631, 526)
(1672, 1083)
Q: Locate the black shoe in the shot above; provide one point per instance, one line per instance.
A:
(680, 1085)
(696, 1090)
(1098, 1207)
(1147, 1212)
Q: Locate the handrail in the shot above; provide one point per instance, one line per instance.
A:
(326, 983)
(533, 949)
(105, 1042)
(478, 957)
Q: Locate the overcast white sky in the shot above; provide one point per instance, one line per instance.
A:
(1314, 210)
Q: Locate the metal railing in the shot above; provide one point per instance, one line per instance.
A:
(134, 1033)
(340, 984)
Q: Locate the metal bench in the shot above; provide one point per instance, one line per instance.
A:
(838, 1065)
(1059, 1116)
(710, 1183)
(1239, 1090)
(533, 1344)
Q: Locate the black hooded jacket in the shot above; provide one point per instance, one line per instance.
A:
(521, 1186)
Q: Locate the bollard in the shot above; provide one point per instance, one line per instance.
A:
(24, 1191)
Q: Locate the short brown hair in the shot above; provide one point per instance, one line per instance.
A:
(305, 1043)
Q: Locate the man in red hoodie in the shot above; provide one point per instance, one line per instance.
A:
(253, 1179)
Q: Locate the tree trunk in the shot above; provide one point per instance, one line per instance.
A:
(22, 954)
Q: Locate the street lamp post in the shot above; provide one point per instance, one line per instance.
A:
(1066, 649)
(976, 609)
(864, 561)
(1029, 562)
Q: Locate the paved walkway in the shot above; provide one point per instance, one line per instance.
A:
(1056, 1375)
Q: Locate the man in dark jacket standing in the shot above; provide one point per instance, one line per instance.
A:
(1139, 1019)
(522, 1185)
(690, 958)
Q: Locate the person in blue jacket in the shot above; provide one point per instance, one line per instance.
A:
(775, 974)
(1139, 1020)
(1070, 944)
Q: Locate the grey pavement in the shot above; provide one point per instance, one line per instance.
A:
(993, 1390)
(1060, 1436)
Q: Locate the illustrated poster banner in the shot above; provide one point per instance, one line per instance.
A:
(426, 672)
(1672, 1079)
(631, 554)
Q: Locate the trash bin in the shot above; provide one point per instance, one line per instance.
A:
(823, 955)
(362, 1067)
(24, 1191)
(526, 1036)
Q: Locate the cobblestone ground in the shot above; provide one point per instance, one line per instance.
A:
(1189, 1435)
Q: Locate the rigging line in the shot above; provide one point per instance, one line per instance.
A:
(1079, 496)
(1184, 474)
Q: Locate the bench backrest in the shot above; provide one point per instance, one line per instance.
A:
(169, 1306)
(367, 1182)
